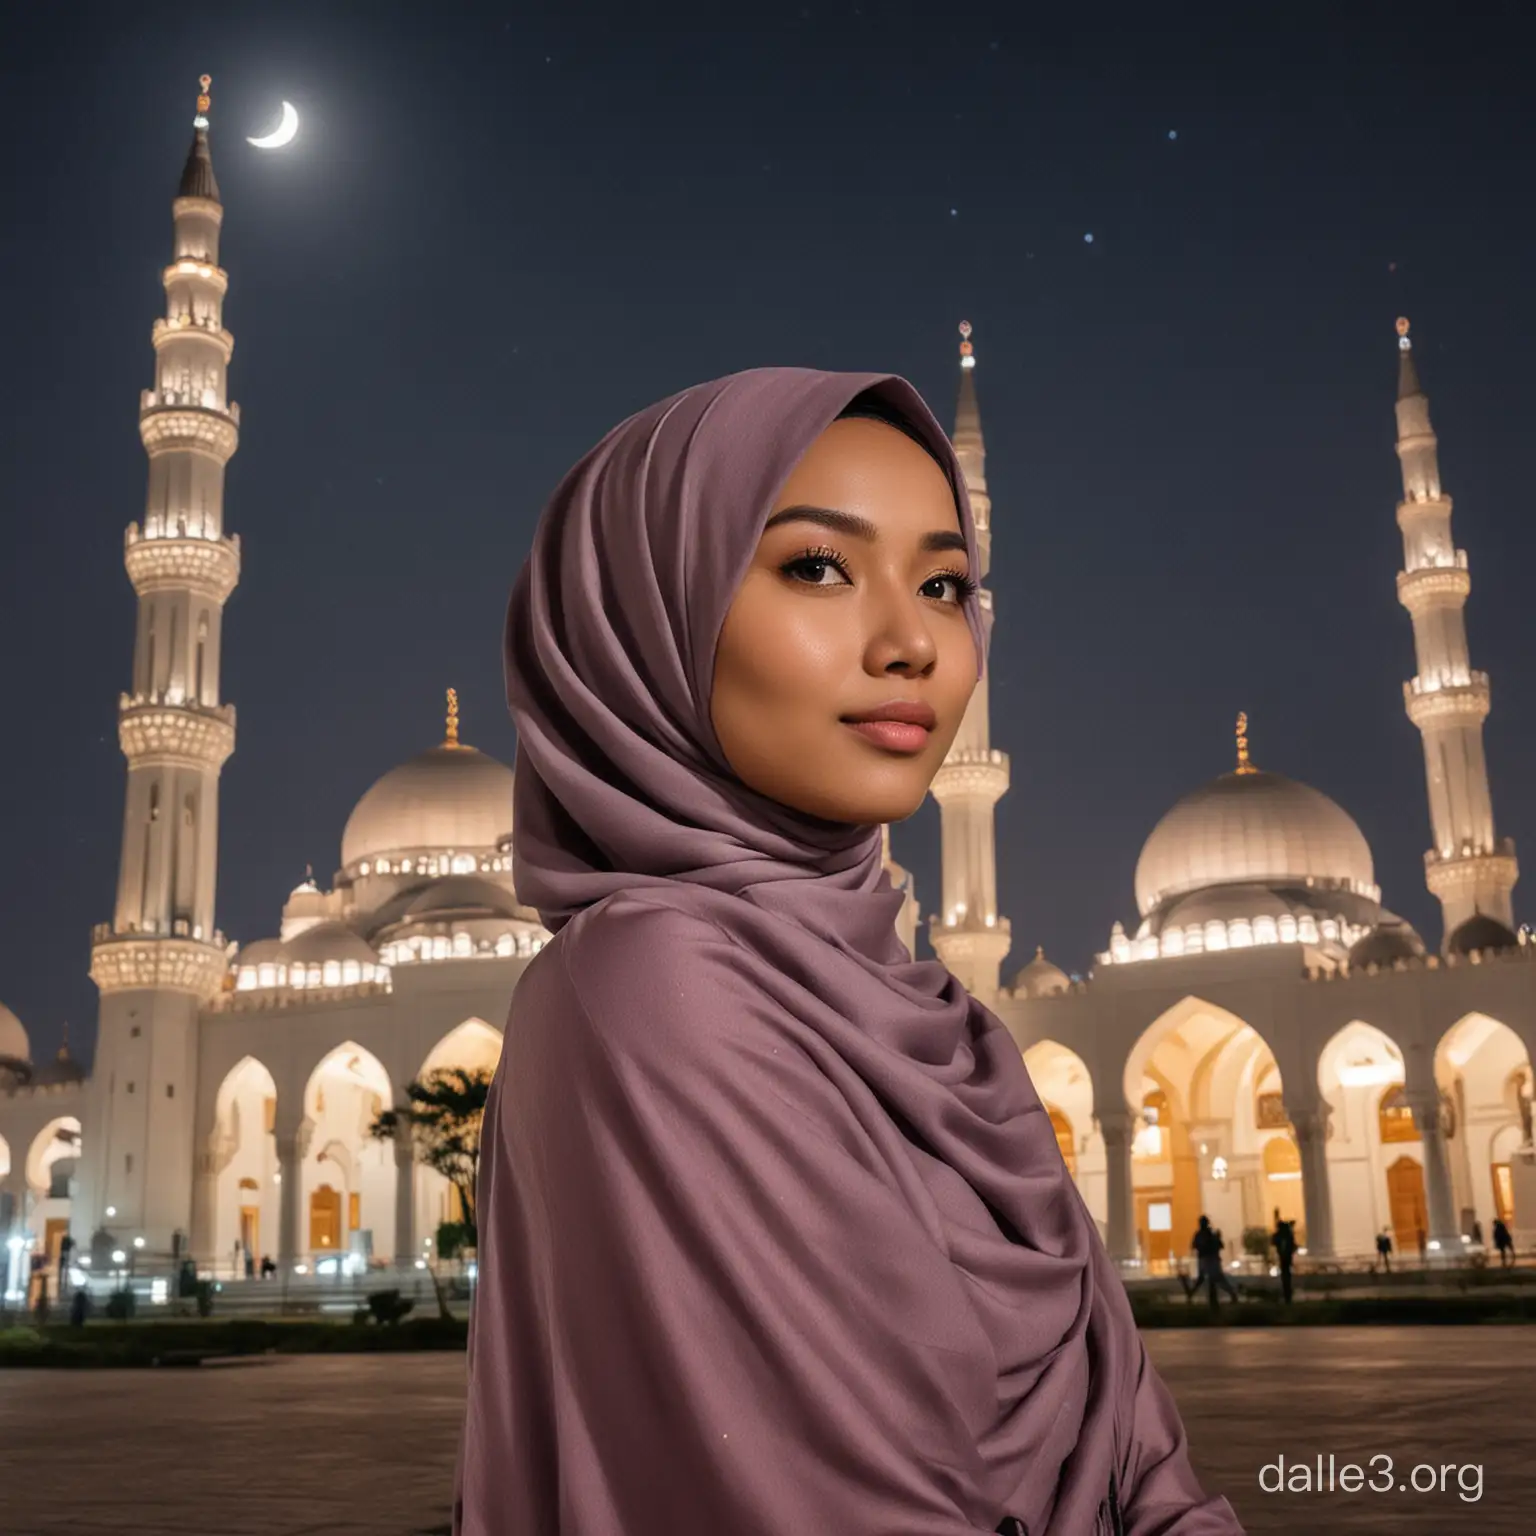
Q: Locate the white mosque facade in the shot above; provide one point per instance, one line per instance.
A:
(1268, 1038)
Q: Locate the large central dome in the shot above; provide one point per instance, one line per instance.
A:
(451, 797)
(1256, 828)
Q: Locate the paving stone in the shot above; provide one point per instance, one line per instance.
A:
(364, 1445)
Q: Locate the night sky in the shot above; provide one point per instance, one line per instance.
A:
(502, 228)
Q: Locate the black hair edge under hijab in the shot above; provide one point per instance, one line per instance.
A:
(870, 407)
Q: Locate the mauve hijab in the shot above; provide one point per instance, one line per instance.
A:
(775, 1235)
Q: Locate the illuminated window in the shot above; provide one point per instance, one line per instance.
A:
(1395, 1118)
(1282, 1159)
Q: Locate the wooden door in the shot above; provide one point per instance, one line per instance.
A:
(250, 1229)
(1504, 1194)
(1405, 1192)
(325, 1220)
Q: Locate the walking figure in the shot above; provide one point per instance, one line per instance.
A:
(1384, 1248)
(1207, 1244)
(1284, 1239)
(1503, 1242)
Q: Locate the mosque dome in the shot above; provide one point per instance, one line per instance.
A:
(14, 1043)
(327, 941)
(1253, 828)
(1040, 978)
(451, 797)
(1480, 932)
(1389, 941)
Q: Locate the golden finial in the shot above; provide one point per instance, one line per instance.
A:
(204, 101)
(1243, 764)
(452, 738)
(967, 351)
(64, 1045)
(1402, 333)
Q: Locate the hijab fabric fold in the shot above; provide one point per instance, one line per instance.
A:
(621, 787)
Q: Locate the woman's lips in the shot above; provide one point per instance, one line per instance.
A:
(893, 735)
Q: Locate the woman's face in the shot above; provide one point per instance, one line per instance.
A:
(852, 608)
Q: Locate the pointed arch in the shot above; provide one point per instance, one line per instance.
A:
(473, 1045)
(1190, 1078)
(56, 1143)
(247, 1196)
(1484, 1067)
(347, 1177)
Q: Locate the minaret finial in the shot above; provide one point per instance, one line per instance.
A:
(452, 738)
(1243, 763)
(967, 351)
(1402, 334)
(64, 1044)
(309, 871)
(204, 101)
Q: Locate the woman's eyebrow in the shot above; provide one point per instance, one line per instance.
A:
(860, 527)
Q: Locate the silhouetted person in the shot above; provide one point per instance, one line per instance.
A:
(1207, 1244)
(1384, 1249)
(1284, 1239)
(1423, 1246)
(268, 1267)
(1477, 1232)
(79, 1307)
(250, 1265)
(1503, 1242)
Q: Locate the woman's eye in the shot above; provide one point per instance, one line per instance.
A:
(952, 589)
(816, 570)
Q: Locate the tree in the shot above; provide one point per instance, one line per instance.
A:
(443, 1118)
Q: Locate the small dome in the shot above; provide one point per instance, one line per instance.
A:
(260, 951)
(1480, 932)
(328, 941)
(1040, 978)
(451, 797)
(1256, 828)
(1391, 940)
(467, 894)
(13, 1037)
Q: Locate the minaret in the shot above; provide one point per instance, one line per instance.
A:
(1470, 869)
(161, 957)
(967, 934)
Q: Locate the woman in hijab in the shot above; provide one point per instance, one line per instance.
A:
(775, 1236)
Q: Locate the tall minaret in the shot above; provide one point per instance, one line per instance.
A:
(967, 933)
(1470, 869)
(161, 958)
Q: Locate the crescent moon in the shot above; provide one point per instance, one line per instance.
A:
(283, 133)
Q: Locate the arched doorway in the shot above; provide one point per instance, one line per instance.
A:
(1484, 1070)
(247, 1192)
(472, 1047)
(1195, 1077)
(1065, 1086)
(50, 1169)
(1360, 1070)
(348, 1175)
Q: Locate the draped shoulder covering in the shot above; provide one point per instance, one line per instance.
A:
(775, 1234)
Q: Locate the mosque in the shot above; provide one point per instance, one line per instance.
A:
(1266, 1037)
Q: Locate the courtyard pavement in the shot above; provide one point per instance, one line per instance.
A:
(364, 1445)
